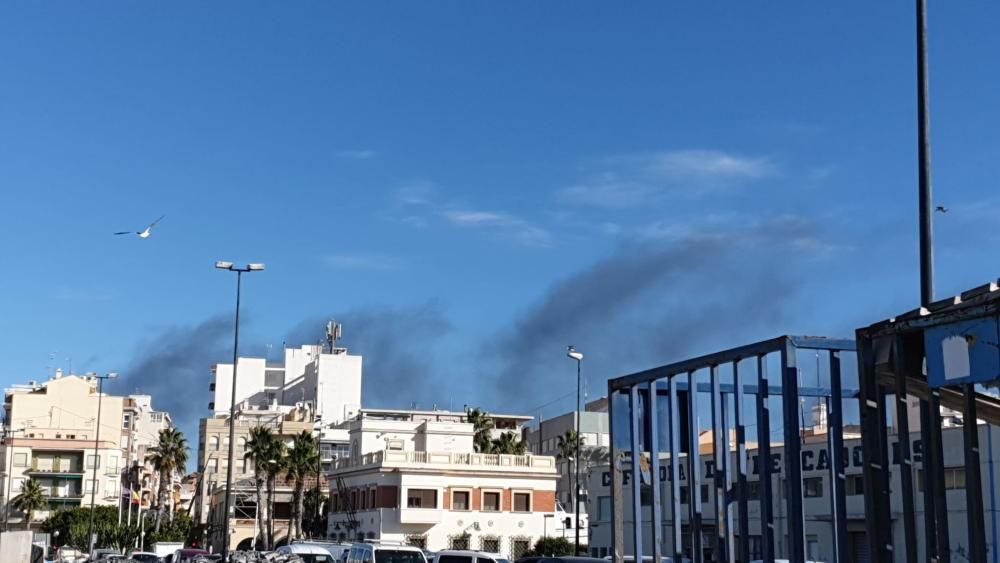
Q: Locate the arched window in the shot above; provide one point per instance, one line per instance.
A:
(213, 442)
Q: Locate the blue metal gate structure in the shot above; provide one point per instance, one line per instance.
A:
(679, 386)
(911, 355)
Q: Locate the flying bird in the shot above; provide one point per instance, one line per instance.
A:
(143, 233)
(941, 209)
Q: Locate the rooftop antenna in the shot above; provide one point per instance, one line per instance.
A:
(334, 332)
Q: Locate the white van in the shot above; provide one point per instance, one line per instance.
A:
(385, 553)
(308, 552)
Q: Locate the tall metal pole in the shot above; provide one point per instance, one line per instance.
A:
(232, 421)
(576, 478)
(924, 159)
(97, 439)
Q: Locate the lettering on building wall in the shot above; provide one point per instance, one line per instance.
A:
(816, 459)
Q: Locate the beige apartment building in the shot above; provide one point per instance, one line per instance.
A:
(50, 432)
(213, 452)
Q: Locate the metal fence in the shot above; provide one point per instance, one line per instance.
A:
(660, 411)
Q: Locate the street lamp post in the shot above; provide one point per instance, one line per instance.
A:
(97, 443)
(8, 465)
(222, 265)
(578, 356)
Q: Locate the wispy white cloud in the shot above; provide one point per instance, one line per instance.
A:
(363, 262)
(639, 179)
(503, 224)
(357, 154)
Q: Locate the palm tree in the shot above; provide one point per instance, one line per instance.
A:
(259, 449)
(275, 465)
(303, 462)
(482, 424)
(32, 498)
(508, 443)
(169, 455)
(567, 444)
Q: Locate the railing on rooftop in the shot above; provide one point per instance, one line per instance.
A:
(448, 458)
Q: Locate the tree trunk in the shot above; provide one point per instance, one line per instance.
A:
(27, 521)
(260, 541)
(270, 512)
(162, 494)
(299, 507)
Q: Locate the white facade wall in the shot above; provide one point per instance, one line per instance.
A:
(249, 383)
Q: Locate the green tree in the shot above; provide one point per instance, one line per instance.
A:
(302, 463)
(315, 504)
(168, 456)
(32, 498)
(176, 530)
(259, 450)
(508, 443)
(73, 524)
(553, 547)
(482, 424)
(567, 445)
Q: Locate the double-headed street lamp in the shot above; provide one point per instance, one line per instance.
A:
(222, 265)
(97, 439)
(578, 356)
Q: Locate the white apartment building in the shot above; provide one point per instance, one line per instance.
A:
(140, 431)
(414, 477)
(815, 463)
(50, 430)
(331, 382)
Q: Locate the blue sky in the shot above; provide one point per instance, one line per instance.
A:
(470, 186)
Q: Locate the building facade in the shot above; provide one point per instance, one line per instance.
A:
(815, 464)
(414, 477)
(329, 381)
(51, 436)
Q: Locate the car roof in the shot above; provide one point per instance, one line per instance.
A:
(304, 548)
(393, 547)
(461, 552)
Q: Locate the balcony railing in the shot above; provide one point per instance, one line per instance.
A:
(73, 469)
(450, 459)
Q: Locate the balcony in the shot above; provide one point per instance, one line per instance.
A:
(63, 470)
(471, 461)
(420, 515)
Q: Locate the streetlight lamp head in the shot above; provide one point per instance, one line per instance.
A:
(573, 353)
(223, 265)
(255, 267)
(113, 375)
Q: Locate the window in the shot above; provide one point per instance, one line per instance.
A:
(460, 500)
(812, 487)
(522, 502)
(394, 445)
(156, 417)
(213, 464)
(93, 461)
(91, 486)
(518, 547)
(213, 443)
(371, 498)
(812, 547)
(417, 541)
(491, 501)
(421, 498)
(124, 442)
(603, 509)
(111, 488)
(242, 443)
(20, 460)
(458, 543)
(855, 485)
(490, 544)
(397, 556)
(126, 421)
(704, 492)
(954, 478)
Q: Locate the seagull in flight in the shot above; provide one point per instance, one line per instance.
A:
(941, 209)
(145, 232)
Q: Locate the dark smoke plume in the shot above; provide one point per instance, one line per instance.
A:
(397, 344)
(648, 304)
(175, 368)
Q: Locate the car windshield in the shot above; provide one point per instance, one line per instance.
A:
(398, 556)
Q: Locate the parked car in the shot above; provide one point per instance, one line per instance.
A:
(385, 553)
(308, 552)
(146, 557)
(102, 554)
(187, 555)
(460, 556)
